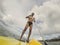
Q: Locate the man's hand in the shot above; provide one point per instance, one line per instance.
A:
(34, 20)
(27, 17)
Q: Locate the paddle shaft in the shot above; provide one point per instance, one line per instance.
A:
(40, 34)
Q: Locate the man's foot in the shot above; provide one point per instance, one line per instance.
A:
(20, 39)
(27, 41)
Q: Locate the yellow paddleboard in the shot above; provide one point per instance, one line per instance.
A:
(8, 41)
(12, 41)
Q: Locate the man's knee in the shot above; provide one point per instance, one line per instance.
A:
(25, 29)
(30, 28)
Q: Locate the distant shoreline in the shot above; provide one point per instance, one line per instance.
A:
(52, 40)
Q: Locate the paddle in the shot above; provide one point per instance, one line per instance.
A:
(40, 34)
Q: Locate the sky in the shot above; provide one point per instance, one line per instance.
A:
(46, 13)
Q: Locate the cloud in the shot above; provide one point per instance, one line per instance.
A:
(49, 13)
(46, 13)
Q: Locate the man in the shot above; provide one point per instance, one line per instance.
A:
(29, 24)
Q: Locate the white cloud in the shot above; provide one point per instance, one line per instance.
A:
(16, 12)
(49, 13)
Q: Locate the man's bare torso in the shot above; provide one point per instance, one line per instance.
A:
(30, 19)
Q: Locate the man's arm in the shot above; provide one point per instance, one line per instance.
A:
(28, 16)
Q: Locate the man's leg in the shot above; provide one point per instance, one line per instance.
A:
(30, 30)
(24, 31)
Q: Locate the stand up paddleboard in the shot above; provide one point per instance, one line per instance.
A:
(12, 41)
